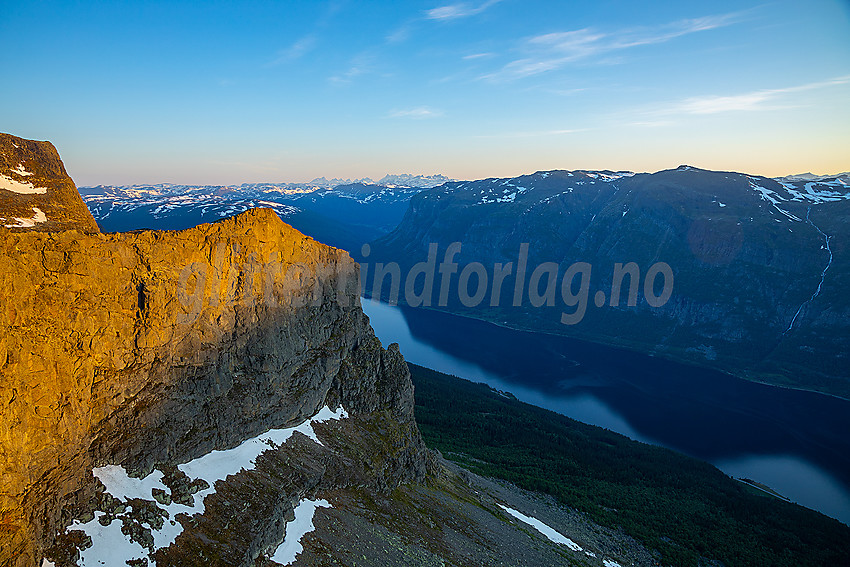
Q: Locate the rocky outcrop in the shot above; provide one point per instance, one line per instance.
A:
(36, 192)
(148, 349)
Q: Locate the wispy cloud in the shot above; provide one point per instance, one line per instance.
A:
(457, 11)
(716, 104)
(360, 65)
(418, 113)
(445, 13)
(308, 42)
(402, 33)
(552, 51)
(296, 50)
(472, 56)
(766, 99)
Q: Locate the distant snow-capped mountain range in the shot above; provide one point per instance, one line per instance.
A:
(761, 266)
(339, 212)
(347, 213)
(405, 181)
(743, 248)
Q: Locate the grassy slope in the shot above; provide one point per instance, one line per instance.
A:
(681, 506)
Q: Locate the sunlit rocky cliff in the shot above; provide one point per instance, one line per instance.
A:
(36, 192)
(149, 349)
(182, 397)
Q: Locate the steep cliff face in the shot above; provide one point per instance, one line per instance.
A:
(149, 349)
(36, 192)
(182, 397)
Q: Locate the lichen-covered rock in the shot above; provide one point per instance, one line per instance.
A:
(152, 348)
(36, 193)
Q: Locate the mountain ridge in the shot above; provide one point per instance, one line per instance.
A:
(36, 192)
(716, 216)
(182, 397)
(756, 265)
(171, 375)
(344, 215)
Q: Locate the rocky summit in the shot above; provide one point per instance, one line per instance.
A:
(146, 350)
(216, 396)
(149, 349)
(36, 192)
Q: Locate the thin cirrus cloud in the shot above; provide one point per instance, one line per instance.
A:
(295, 51)
(765, 99)
(552, 51)
(457, 11)
(417, 113)
(445, 13)
(472, 56)
(400, 34)
(361, 64)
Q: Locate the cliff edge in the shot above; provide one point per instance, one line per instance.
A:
(216, 397)
(150, 349)
(36, 192)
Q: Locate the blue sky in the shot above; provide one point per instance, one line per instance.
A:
(230, 92)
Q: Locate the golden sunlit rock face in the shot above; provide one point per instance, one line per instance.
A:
(152, 347)
(36, 193)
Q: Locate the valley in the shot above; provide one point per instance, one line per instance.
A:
(462, 283)
(222, 399)
(790, 440)
(753, 269)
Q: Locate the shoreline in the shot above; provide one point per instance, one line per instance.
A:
(684, 361)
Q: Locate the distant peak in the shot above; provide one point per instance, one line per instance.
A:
(809, 176)
(36, 192)
(419, 181)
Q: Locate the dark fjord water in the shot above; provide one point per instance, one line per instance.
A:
(795, 442)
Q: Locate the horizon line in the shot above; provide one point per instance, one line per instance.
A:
(451, 179)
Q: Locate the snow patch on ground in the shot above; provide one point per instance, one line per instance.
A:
(507, 195)
(550, 533)
(609, 177)
(111, 547)
(122, 486)
(816, 190)
(297, 529)
(164, 202)
(773, 198)
(218, 465)
(819, 196)
(22, 187)
(20, 170)
(38, 217)
(767, 194)
(610, 563)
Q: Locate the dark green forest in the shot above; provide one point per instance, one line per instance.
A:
(683, 507)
